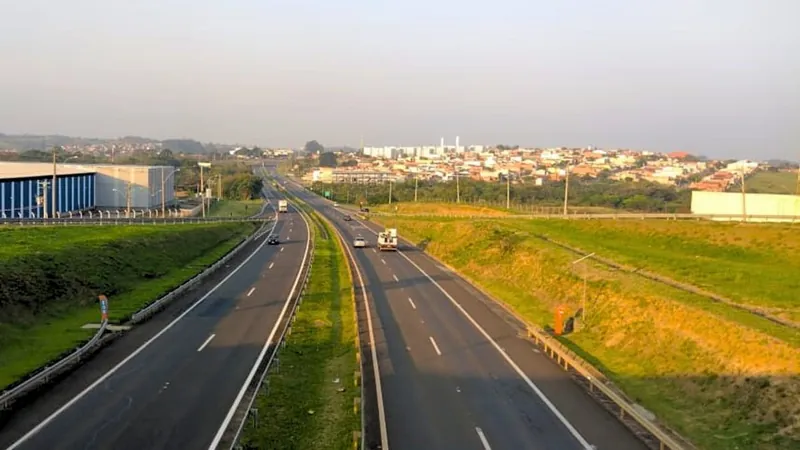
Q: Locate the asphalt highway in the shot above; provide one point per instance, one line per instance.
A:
(454, 371)
(175, 392)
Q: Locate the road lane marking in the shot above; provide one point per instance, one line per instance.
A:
(251, 291)
(140, 349)
(578, 437)
(550, 406)
(374, 251)
(206, 343)
(483, 439)
(395, 278)
(281, 249)
(383, 261)
(435, 347)
(412, 303)
(270, 265)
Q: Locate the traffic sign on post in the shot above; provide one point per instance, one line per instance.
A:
(103, 306)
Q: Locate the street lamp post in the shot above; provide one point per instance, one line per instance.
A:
(164, 190)
(583, 273)
(202, 186)
(566, 192)
(508, 189)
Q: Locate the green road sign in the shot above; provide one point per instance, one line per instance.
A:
(327, 194)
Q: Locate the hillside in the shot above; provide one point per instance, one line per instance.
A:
(723, 377)
(773, 183)
(51, 278)
(22, 142)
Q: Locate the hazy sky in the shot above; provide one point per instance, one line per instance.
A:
(716, 77)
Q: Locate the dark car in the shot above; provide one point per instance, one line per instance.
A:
(366, 210)
(273, 240)
(347, 218)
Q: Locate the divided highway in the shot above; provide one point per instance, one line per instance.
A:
(453, 369)
(176, 389)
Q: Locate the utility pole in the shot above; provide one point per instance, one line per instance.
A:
(566, 192)
(508, 189)
(458, 186)
(219, 186)
(744, 197)
(55, 182)
(416, 185)
(390, 192)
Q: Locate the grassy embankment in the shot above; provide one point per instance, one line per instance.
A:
(773, 183)
(235, 208)
(724, 378)
(51, 278)
(309, 401)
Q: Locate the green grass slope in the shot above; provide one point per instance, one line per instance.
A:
(50, 279)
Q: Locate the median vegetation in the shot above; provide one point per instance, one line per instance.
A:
(308, 402)
(723, 377)
(51, 278)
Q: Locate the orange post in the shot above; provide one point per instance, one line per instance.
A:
(558, 323)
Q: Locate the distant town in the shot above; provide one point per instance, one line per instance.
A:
(490, 163)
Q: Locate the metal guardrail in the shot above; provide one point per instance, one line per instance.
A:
(258, 382)
(11, 395)
(76, 221)
(620, 216)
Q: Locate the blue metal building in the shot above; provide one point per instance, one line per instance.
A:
(26, 189)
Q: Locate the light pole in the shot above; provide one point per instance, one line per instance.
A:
(583, 273)
(508, 189)
(390, 192)
(44, 184)
(202, 186)
(566, 191)
(416, 185)
(164, 190)
(458, 186)
(744, 197)
(127, 197)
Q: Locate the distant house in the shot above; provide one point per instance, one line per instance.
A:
(678, 155)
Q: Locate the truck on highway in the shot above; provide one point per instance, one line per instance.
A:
(387, 239)
(283, 206)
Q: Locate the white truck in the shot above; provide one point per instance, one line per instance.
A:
(283, 206)
(387, 239)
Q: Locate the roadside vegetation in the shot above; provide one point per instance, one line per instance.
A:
(722, 377)
(51, 278)
(309, 401)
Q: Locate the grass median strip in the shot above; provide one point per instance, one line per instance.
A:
(309, 401)
(52, 276)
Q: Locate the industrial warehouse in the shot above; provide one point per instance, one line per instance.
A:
(27, 189)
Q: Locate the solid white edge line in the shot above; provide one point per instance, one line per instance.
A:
(412, 303)
(508, 359)
(372, 348)
(435, 347)
(141, 348)
(252, 374)
(200, 349)
(483, 439)
(252, 289)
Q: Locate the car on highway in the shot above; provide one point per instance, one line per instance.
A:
(359, 242)
(273, 240)
(347, 218)
(335, 205)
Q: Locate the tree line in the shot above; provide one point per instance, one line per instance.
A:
(630, 196)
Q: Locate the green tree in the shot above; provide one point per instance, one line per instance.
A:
(313, 147)
(327, 159)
